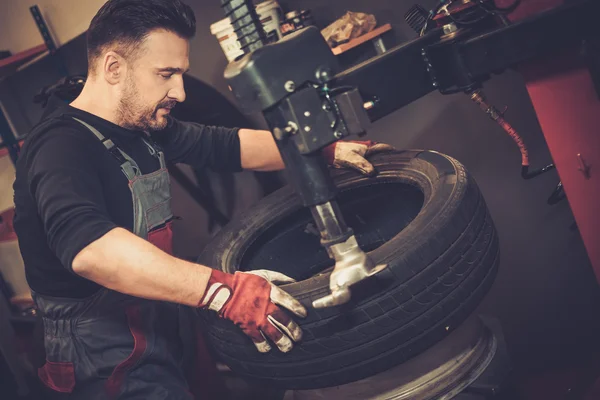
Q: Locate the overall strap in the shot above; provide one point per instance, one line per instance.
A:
(128, 165)
(156, 153)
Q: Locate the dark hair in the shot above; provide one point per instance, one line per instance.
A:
(127, 23)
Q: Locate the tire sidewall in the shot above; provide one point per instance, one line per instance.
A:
(446, 180)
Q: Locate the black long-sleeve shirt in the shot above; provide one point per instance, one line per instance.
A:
(69, 190)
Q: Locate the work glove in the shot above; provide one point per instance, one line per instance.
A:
(251, 301)
(353, 154)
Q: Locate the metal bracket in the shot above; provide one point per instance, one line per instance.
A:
(352, 265)
(45, 32)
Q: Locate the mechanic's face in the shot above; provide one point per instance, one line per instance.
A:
(154, 82)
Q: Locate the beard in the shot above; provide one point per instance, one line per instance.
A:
(136, 116)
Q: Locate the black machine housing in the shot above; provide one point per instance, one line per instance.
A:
(289, 81)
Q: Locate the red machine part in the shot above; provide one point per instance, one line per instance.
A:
(568, 109)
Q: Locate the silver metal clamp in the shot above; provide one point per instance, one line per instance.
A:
(352, 265)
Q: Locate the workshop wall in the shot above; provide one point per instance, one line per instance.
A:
(207, 61)
(65, 18)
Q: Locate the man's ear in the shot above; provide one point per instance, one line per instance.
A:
(113, 67)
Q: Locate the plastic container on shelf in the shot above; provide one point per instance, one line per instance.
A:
(296, 20)
(269, 13)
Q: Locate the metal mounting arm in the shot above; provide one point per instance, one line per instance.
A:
(352, 265)
(289, 81)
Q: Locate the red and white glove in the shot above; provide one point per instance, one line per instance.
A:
(251, 301)
(353, 154)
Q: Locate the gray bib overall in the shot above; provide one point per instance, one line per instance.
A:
(112, 345)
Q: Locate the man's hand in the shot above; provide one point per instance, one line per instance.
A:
(353, 154)
(251, 301)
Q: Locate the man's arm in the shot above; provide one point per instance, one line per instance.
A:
(219, 148)
(258, 151)
(63, 178)
(224, 149)
(123, 262)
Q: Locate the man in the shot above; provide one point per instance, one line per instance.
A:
(94, 220)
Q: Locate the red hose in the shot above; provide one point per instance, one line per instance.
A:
(517, 139)
(478, 97)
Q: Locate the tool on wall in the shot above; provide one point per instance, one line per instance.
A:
(45, 32)
(9, 138)
(309, 104)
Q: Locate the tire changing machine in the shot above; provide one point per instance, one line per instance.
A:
(309, 104)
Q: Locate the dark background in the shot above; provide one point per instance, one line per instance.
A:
(545, 296)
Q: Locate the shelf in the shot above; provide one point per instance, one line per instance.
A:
(361, 39)
(10, 64)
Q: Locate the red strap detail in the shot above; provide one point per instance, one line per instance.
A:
(203, 378)
(162, 238)
(216, 276)
(4, 150)
(58, 376)
(115, 380)
(7, 230)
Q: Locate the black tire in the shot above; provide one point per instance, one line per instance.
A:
(430, 225)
